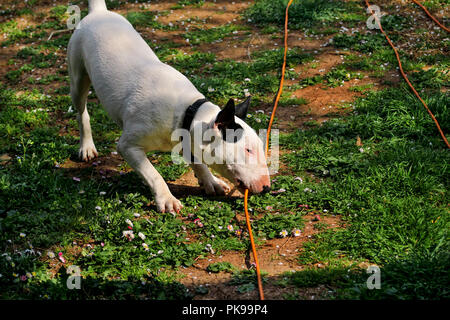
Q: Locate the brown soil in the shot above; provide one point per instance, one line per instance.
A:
(276, 256)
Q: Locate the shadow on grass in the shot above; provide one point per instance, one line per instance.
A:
(53, 219)
(414, 278)
(92, 288)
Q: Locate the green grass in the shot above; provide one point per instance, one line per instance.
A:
(392, 191)
(146, 19)
(222, 79)
(303, 14)
(433, 4)
(361, 42)
(211, 35)
(333, 78)
(389, 195)
(220, 267)
(182, 3)
(418, 277)
(192, 62)
(292, 101)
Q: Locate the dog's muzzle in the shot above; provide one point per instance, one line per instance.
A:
(266, 189)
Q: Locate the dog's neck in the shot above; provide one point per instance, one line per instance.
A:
(197, 118)
(190, 113)
(205, 112)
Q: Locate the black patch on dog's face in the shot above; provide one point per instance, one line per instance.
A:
(232, 135)
(225, 122)
(242, 109)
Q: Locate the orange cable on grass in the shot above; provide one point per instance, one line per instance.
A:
(407, 80)
(252, 242)
(277, 98)
(283, 69)
(431, 16)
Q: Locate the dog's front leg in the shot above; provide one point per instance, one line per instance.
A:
(211, 184)
(136, 158)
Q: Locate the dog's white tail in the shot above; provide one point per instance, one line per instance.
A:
(95, 5)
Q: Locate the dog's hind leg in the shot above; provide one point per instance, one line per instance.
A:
(79, 90)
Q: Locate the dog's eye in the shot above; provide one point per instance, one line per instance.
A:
(249, 151)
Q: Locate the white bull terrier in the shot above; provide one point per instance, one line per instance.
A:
(149, 100)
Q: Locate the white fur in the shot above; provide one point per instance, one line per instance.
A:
(144, 96)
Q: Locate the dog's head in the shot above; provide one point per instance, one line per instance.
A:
(235, 150)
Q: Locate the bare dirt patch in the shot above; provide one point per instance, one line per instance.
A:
(275, 256)
(278, 255)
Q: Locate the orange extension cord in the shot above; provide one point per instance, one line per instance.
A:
(404, 74)
(431, 16)
(277, 98)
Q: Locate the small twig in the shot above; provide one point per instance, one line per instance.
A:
(289, 238)
(57, 31)
(248, 47)
(345, 53)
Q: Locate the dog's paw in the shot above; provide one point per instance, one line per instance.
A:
(88, 152)
(168, 203)
(215, 186)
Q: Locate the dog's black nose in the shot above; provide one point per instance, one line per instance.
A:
(266, 189)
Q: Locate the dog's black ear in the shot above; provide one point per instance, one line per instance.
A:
(225, 121)
(225, 118)
(242, 108)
